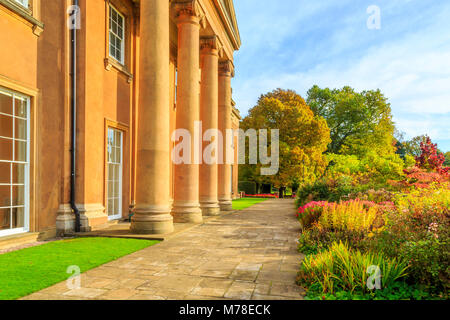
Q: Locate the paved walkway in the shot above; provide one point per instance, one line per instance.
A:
(250, 254)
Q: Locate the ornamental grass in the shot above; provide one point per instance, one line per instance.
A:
(341, 268)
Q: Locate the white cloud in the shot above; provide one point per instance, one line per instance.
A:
(411, 69)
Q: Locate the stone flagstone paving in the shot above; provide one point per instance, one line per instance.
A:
(249, 254)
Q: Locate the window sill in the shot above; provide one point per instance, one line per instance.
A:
(111, 63)
(36, 25)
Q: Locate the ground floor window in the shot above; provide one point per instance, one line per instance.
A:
(114, 161)
(14, 162)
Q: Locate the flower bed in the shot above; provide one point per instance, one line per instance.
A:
(264, 195)
(409, 233)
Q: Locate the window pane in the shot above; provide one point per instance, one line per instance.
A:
(5, 218)
(112, 51)
(110, 153)
(114, 154)
(5, 103)
(118, 55)
(20, 151)
(20, 127)
(116, 169)
(116, 189)
(18, 174)
(111, 137)
(110, 208)
(5, 174)
(18, 217)
(6, 149)
(21, 107)
(6, 126)
(18, 195)
(114, 28)
(112, 40)
(110, 173)
(116, 206)
(117, 156)
(110, 189)
(5, 196)
(117, 139)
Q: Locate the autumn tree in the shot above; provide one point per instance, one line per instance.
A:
(430, 158)
(303, 138)
(359, 122)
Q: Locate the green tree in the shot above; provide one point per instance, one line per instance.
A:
(303, 138)
(447, 159)
(359, 122)
(412, 147)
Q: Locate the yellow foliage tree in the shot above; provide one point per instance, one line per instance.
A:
(304, 138)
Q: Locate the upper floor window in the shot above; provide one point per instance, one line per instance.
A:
(116, 35)
(23, 3)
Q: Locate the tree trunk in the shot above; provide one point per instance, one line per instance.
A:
(282, 192)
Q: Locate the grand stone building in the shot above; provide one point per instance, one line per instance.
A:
(85, 138)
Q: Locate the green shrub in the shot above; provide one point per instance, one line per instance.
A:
(249, 187)
(429, 263)
(316, 191)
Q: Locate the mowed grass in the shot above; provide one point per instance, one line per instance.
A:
(29, 270)
(241, 204)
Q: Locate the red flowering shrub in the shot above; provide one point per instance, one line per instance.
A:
(309, 213)
(421, 178)
(430, 159)
(265, 195)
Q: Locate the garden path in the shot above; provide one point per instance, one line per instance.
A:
(249, 254)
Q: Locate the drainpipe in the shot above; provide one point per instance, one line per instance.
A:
(74, 123)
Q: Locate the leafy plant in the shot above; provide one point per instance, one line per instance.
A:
(341, 268)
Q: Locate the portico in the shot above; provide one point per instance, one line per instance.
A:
(129, 74)
(204, 67)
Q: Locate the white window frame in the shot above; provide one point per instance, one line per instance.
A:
(122, 37)
(26, 218)
(118, 215)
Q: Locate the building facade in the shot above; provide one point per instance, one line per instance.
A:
(141, 70)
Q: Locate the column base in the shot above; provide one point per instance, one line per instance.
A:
(210, 208)
(186, 212)
(89, 215)
(226, 205)
(151, 220)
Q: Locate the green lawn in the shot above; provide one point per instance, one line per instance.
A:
(29, 270)
(240, 204)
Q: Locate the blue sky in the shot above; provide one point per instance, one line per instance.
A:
(294, 44)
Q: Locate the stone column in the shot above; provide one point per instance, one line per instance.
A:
(225, 109)
(152, 211)
(186, 206)
(209, 116)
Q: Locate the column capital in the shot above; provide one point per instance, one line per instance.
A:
(226, 68)
(210, 45)
(187, 7)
